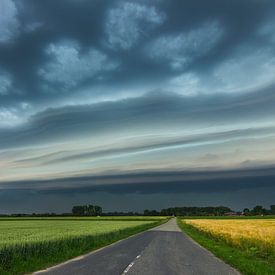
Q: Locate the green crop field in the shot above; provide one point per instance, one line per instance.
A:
(102, 218)
(28, 244)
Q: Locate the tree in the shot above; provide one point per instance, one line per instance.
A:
(90, 210)
(87, 210)
(146, 212)
(78, 210)
(272, 209)
(258, 210)
(98, 210)
(246, 212)
(221, 210)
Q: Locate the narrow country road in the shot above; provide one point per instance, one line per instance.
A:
(164, 250)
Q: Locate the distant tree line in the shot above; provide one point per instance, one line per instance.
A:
(259, 210)
(87, 210)
(189, 211)
(209, 211)
(95, 210)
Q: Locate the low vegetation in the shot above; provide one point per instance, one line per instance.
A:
(258, 210)
(87, 210)
(247, 244)
(189, 211)
(31, 244)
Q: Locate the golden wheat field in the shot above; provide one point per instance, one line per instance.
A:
(251, 233)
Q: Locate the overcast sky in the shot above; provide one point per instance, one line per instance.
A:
(136, 104)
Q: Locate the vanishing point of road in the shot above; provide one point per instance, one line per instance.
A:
(163, 250)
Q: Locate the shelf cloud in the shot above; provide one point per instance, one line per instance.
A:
(97, 96)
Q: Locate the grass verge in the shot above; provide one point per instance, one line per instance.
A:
(243, 260)
(20, 259)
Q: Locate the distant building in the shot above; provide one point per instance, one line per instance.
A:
(232, 213)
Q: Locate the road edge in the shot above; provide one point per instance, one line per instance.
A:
(236, 258)
(78, 258)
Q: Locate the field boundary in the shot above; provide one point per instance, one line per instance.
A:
(32, 257)
(80, 257)
(244, 263)
(204, 248)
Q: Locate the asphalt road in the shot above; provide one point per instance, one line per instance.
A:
(164, 250)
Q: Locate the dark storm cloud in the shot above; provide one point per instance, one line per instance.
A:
(153, 110)
(153, 182)
(239, 196)
(87, 23)
(24, 56)
(135, 76)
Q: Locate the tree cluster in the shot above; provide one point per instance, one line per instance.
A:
(189, 211)
(259, 210)
(95, 210)
(87, 210)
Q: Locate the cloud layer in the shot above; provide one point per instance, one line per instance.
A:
(9, 24)
(131, 87)
(181, 49)
(129, 22)
(69, 67)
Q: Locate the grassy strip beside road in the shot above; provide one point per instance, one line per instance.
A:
(246, 259)
(36, 249)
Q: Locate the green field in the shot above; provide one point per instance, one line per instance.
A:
(102, 218)
(29, 244)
